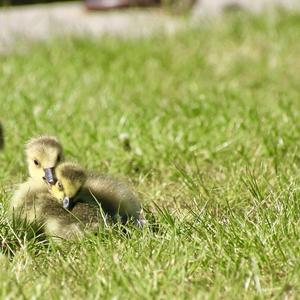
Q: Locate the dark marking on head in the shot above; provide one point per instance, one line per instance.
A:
(72, 172)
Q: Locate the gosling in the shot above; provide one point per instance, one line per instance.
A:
(42, 156)
(74, 185)
(58, 222)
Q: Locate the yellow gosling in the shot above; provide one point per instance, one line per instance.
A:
(42, 156)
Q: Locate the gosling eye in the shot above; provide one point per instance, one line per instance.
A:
(58, 159)
(36, 162)
(60, 186)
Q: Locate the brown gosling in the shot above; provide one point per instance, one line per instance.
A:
(115, 199)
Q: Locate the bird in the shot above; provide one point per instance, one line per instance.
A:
(43, 154)
(74, 185)
(60, 223)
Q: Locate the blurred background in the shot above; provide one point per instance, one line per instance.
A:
(21, 19)
(204, 5)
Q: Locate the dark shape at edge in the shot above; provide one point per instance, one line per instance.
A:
(1, 137)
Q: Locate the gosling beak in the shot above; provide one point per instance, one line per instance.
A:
(49, 175)
(67, 203)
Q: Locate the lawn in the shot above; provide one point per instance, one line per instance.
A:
(213, 117)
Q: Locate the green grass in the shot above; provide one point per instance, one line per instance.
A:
(213, 119)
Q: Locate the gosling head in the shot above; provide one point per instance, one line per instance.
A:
(43, 154)
(70, 178)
